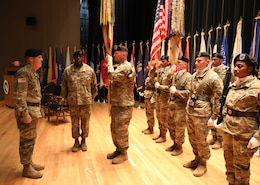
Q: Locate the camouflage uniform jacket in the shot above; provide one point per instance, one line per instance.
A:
(122, 84)
(27, 89)
(243, 97)
(208, 87)
(180, 97)
(221, 71)
(165, 79)
(79, 85)
(149, 85)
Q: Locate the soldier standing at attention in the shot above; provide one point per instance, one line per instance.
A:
(241, 136)
(162, 89)
(122, 101)
(202, 108)
(221, 70)
(177, 106)
(79, 88)
(149, 93)
(27, 98)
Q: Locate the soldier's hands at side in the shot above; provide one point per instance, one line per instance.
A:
(172, 89)
(213, 123)
(157, 85)
(141, 93)
(253, 143)
(28, 120)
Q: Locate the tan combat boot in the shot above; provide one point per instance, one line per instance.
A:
(192, 164)
(217, 145)
(113, 155)
(212, 140)
(147, 131)
(160, 140)
(83, 145)
(75, 146)
(201, 168)
(30, 172)
(177, 151)
(37, 167)
(157, 137)
(170, 148)
(120, 158)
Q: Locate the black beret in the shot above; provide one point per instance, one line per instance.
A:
(251, 61)
(120, 48)
(77, 53)
(164, 57)
(202, 54)
(218, 55)
(184, 59)
(32, 52)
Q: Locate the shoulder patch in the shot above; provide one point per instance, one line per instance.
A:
(21, 80)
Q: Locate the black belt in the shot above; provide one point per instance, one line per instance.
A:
(236, 113)
(33, 104)
(200, 97)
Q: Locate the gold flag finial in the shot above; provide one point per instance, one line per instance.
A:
(133, 44)
(258, 15)
(211, 30)
(219, 27)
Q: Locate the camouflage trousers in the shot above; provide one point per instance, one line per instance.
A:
(237, 157)
(217, 133)
(28, 136)
(120, 120)
(198, 131)
(80, 115)
(149, 111)
(162, 113)
(177, 124)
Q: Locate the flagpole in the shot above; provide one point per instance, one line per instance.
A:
(194, 48)
(210, 48)
(107, 23)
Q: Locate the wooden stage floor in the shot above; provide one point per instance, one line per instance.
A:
(148, 164)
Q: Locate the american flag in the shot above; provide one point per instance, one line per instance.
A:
(159, 30)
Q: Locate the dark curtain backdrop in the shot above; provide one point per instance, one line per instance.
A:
(135, 19)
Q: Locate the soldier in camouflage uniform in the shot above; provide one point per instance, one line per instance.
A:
(79, 88)
(202, 108)
(162, 89)
(177, 104)
(122, 101)
(221, 70)
(149, 93)
(241, 136)
(27, 98)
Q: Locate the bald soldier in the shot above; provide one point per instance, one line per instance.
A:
(27, 98)
(122, 101)
(202, 108)
(79, 88)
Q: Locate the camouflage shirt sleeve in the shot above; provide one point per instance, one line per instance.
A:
(124, 70)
